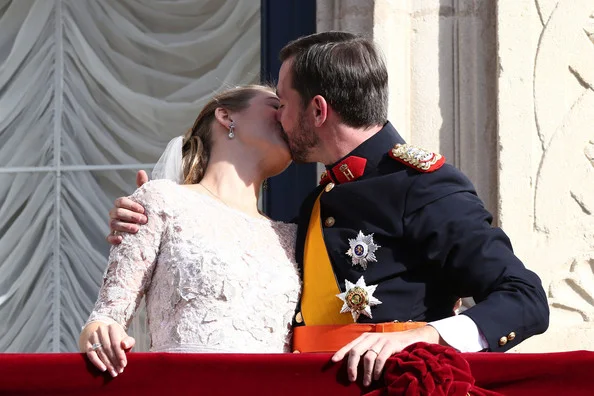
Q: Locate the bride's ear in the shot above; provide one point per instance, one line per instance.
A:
(223, 117)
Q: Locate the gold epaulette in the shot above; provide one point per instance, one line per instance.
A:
(417, 158)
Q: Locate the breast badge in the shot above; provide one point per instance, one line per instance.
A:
(362, 250)
(358, 298)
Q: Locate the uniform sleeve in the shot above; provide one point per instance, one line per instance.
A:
(131, 263)
(452, 229)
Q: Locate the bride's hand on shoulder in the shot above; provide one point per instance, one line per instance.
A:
(126, 215)
(106, 346)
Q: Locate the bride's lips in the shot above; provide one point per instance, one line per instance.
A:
(283, 133)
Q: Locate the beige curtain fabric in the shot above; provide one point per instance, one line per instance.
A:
(91, 91)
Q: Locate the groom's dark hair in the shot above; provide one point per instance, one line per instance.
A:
(347, 70)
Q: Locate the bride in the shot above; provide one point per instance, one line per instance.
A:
(210, 264)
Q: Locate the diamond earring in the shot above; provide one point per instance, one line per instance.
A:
(231, 130)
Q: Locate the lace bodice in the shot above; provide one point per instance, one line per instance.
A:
(215, 279)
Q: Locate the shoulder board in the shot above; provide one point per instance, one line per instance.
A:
(417, 158)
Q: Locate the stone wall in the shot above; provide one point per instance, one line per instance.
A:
(546, 155)
(504, 89)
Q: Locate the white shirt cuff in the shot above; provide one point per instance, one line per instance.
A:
(461, 333)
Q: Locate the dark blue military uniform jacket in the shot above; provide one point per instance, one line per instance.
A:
(437, 244)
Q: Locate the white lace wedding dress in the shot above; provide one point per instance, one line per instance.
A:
(215, 279)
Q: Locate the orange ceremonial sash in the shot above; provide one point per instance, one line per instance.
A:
(331, 338)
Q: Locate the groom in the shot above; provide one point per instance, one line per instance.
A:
(393, 235)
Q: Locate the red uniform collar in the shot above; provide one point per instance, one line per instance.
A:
(349, 169)
(364, 158)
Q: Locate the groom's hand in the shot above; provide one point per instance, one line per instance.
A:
(375, 349)
(126, 215)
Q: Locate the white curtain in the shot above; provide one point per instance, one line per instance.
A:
(91, 91)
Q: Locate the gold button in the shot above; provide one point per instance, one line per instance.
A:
(299, 318)
(511, 336)
(502, 341)
(329, 187)
(329, 222)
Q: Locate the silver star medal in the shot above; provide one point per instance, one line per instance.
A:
(358, 298)
(362, 250)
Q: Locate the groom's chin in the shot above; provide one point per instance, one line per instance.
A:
(298, 157)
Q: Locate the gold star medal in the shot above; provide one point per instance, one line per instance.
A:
(358, 298)
(362, 250)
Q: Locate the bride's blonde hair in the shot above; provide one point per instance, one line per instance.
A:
(197, 142)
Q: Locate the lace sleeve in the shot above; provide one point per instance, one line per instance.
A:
(131, 263)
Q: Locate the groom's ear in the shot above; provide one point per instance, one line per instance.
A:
(223, 117)
(319, 108)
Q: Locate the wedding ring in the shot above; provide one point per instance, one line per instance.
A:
(114, 233)
(372, 350)
(96, 346)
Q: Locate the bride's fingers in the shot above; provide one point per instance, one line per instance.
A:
(106, 353)
(128, 343)
(103, 357)
(92, 354)
(115, 335)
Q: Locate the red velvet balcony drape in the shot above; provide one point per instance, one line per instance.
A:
(566, 373)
